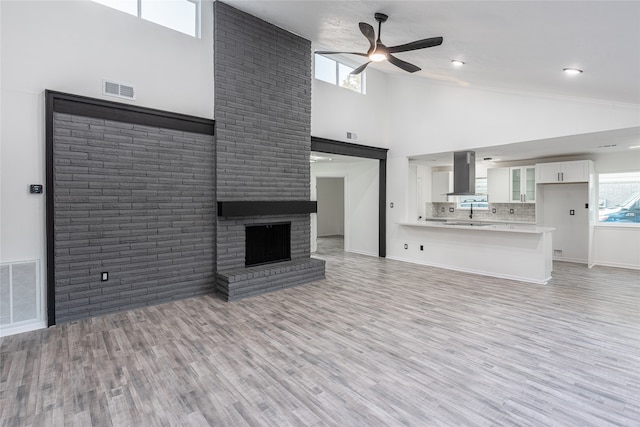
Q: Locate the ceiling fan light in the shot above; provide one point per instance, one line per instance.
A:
(572, 71)
(457, 62)
(377, 57)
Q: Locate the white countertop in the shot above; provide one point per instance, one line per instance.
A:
(480, 226)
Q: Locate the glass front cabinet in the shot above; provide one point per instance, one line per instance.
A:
(522, 184)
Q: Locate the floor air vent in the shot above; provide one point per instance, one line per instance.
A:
(118, 89)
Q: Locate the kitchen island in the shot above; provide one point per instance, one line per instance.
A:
(511, 251)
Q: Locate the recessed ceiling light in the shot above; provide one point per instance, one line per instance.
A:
(634, 146)
(457, 62)
(572, 71)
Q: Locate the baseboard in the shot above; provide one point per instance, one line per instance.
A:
(574, 260)
(615, 265)
(362, 252)
(19, 329)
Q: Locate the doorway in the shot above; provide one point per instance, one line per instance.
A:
(330, 225)
(379, 155)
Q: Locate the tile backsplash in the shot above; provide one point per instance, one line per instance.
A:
(522, 212)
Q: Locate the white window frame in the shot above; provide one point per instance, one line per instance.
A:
(197, 24)
(460, 199)
(602, 211)
(336, 81)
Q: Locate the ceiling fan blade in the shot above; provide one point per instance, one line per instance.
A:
(327, 52)
(418, 44)
(403, 64)
(368, 31)
(360, 69)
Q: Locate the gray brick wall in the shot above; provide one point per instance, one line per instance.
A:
(137, 202)
(263, 137)
(262, 109)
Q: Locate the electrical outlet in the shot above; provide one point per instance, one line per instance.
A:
(406, 246)
(104, 276)
(493, 210)
(422, 247)
(511, 211)
(451, 210)
(572, 212)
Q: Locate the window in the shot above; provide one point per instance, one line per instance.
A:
(337, 73)
(619, 198)
(126, 6)
(478, 200)
(179, 15)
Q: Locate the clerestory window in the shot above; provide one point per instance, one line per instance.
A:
(179, 15)
(337, 73)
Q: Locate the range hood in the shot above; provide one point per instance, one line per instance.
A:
(464, 173)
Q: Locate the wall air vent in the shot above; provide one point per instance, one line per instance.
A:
(119, 90)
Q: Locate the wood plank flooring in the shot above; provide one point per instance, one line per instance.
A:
(377, 343)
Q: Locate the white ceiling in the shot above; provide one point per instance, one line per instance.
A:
(518, 45)
(508, 45)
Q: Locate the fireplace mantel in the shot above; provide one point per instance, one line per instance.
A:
(258, 208)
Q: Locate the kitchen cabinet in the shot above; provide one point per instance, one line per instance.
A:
(498, 185)
(556, 172)
(522, 184)
(441, 184)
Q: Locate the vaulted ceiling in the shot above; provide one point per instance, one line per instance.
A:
(509, 45)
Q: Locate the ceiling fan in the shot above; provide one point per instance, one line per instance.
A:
(379, 52)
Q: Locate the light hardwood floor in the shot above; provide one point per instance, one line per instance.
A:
(378, 342)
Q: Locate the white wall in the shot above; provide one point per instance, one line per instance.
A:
(70, 46)
(571, 234)
(336, 111)
(330, 216)
(617, 246)
(361, 196)
(430, 117)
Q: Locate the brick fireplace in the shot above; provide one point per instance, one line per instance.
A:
(263, 123)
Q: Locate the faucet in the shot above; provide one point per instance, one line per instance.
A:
(471, 213)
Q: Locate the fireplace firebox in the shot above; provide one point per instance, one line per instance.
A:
(267, 243)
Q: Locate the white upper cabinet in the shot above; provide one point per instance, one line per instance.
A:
(498, 185)
(574, 171)
(441, 184)
(522, 184)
